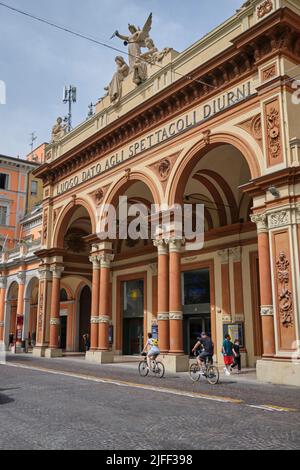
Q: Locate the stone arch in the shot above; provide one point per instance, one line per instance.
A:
(125, 182)
(64, 217)
(183, 169)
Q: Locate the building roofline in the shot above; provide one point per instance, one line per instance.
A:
(21, 161)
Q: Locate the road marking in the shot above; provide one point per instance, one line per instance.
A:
(121, 383)
(273, 408)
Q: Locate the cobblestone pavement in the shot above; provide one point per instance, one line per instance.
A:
(243, 387)
(42, 410)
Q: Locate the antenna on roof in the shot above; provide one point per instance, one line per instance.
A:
(69, 96)
(33, 139)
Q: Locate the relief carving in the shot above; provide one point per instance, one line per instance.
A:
(264, 9)
(285, 295)
(279, 219)
(273, 132)
(45, 226)
(164, 169)
(269, 72)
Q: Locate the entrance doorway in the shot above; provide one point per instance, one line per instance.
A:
(196, 306)
(133, 317)
(84, 316)
(63, 332)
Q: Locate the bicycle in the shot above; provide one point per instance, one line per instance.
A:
(207, 370)
(157, 368)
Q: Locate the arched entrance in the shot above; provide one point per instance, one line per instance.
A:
(11, 315)
(31, 308)
(85, 300)
(213, 177)
(73, 234)
(132, 282)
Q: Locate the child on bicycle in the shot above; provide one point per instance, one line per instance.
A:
(152, 348)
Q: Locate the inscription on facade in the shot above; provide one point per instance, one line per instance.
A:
(171, 130)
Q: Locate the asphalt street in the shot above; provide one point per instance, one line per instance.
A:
(65, 404)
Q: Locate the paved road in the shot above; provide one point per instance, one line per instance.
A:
(59, 410)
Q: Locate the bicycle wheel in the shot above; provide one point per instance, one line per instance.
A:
(143, 369)
(159, 370)
(212, 375)
(195, 373)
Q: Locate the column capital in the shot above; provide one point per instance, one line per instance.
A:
(3, 282)
(2, 324)
(44, 274)
(55, 321)
(261, 221)
(94, 320)
(175, 245)
(94, 259)
(21, 278)
(236, 254)
(106, 259)
(162, 246)
(224, 255)
(57, 271)
(267, 311)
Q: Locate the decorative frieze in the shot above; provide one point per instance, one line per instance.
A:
(267, 311)
(273, 132)
(104, 319)
(279, 219)
(163, 316)
(285, 295)
(176, 316)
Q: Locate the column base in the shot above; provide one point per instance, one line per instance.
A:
(39, 351)
(175, 363)
(278, 372)
(100, 357)
(52, 353)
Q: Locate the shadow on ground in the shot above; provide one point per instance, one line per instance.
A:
(4, 399)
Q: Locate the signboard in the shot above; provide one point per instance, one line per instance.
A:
(236, 331)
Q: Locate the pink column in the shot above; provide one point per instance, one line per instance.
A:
(55, 306)
(3, 284)
(163, 296)
(95, 302)
(267, 309)
(175, 299)
(104, 304)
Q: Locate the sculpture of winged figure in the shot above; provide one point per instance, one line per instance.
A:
(136, 40)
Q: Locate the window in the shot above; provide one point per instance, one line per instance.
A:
(34, 188)
(3, 181)
(3, 215)
(196, 287)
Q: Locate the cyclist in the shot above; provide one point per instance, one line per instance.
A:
(152, 348)
(206, 349)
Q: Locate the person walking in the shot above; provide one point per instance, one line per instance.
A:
(228, 353)
(237, 357)
(87, 342)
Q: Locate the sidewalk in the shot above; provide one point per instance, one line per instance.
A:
(129, 363)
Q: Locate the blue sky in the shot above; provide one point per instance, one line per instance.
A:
(36, 61)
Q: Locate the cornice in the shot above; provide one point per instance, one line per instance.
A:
(276, 34)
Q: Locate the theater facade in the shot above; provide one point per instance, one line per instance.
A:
(218, 125)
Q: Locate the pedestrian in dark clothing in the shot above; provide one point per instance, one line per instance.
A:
(237, 356)
(87, 343)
